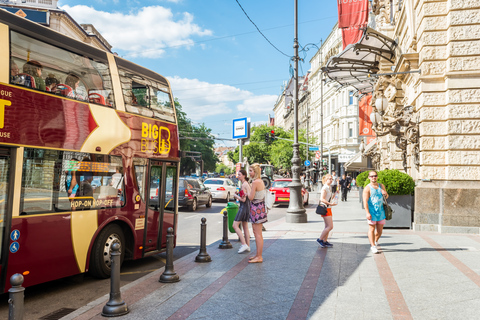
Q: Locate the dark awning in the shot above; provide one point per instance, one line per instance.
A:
(355, 65)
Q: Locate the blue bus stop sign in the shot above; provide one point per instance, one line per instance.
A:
(307, 163)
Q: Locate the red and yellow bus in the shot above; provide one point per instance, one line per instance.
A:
(86, 141)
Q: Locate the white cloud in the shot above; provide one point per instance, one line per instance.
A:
(201, 99)
(258, 104)
(144, 32)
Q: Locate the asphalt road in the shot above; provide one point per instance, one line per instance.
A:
(74, 292)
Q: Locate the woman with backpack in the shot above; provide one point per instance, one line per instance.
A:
(258, 210)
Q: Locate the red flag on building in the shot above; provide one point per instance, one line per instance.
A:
(352, 13)
(364, 111)
(352, 17)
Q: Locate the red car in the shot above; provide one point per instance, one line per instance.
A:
(282, 192)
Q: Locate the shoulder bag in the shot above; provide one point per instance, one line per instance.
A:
(388, 210)
(321, 208)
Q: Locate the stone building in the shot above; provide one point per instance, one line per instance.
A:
(47, 13)
(427, 104)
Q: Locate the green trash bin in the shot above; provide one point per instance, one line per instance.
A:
(232, 209)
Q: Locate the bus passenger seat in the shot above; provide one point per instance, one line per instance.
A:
(28, 80)
(64, 90)
(96, 98)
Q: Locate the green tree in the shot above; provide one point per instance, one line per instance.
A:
(195, 138)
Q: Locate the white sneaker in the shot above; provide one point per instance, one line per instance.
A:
(243, 248)
(376, 243)
(374, 249)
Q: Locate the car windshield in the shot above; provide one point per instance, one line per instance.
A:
(280, 184)
(213, 182)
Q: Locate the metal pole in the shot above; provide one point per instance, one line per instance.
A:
(321, 108)
(240, 151)
(225, 244)
(169, 275)
(115, 306)
(203, 256)
(296, 212)
(16, 298)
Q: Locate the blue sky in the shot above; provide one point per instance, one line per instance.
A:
(219, 66)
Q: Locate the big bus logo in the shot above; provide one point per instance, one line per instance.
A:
(3, 104)
(155, 139)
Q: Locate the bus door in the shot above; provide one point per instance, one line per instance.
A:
(5, 242)
(162, 203)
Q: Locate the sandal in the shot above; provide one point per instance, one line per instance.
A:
(256, 260)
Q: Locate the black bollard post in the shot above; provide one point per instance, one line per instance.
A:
(169, 275)
(225, 244)
(15, 301)
(203, 256)
(115, 306)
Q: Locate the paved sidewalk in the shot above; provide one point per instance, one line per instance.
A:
(417, 275)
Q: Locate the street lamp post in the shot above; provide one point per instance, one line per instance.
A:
(296, 212)
(321, 110)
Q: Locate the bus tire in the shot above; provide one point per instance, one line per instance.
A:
(100, 263)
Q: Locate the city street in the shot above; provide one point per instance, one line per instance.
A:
(74, 292)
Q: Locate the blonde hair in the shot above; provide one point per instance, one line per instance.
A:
(325, 177)
(258, 172)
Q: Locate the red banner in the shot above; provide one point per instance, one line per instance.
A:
(364, 111)
(351, 35)
(352, 13)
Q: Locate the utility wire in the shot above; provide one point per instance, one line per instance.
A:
(261, 31)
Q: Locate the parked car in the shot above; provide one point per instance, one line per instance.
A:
(282, 192)
(221, 188)
(191, 193)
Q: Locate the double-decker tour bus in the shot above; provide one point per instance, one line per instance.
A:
(89, 156)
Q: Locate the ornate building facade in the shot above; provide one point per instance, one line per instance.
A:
(427, 107)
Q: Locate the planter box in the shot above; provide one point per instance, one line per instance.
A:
(403, 211)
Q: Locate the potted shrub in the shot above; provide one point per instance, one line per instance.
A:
(400, 187)
(360, 182)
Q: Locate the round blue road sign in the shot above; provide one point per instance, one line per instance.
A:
(307, 163)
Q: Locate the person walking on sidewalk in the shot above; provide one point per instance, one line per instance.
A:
(243, 214)
(326, 196)
(334, 185)
(344, 186)
(258, 210)
(373, 196)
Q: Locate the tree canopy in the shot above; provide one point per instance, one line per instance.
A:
(196, 138)
(279, 153)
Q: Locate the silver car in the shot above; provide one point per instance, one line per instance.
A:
(221, 188)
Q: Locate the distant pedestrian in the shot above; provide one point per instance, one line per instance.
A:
(354, 184)
(243, 215)
(373, 200)
(326, 196)
(335, 181)
(258, 210)
(344, 186)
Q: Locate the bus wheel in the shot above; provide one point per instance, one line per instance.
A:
(100, 263)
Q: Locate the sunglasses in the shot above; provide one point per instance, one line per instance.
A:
(372, 176)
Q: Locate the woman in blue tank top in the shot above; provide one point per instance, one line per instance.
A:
(373, 202)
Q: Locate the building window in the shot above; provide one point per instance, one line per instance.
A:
(350, 97)
(350, 129)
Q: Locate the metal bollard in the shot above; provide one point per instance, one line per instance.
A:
(203, 256)
(115, 306)
(169, 275)
(15, 301)
(225, 244)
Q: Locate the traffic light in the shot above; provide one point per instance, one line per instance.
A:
(272, 135)
(267, 138)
